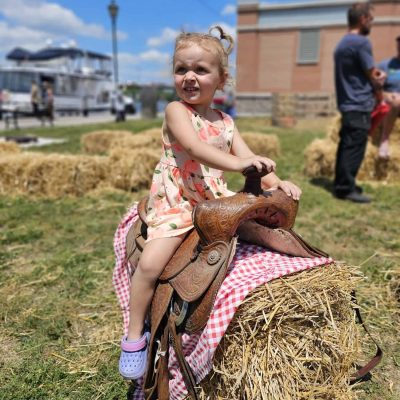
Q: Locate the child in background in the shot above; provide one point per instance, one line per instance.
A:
(199, 143)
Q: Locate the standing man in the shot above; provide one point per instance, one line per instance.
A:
(391, 94)
(356, 79)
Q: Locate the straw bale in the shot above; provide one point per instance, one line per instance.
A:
(332, 131)
(51, 175)
(9, 147)
(150, 138)
(132, 169)
(98, 142)
(154, 133)
(394, 282)
(260, 143)
(293, 338)
(375, 168)
(395, 134)
(320, 158)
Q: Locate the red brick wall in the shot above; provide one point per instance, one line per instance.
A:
(267, 59)
(247, 62)
(276, 61)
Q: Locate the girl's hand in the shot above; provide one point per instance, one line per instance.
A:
(259, 162)
(289, 188)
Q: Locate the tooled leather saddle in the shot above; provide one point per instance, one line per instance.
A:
(187, 287)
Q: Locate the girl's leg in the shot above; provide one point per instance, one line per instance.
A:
(153, 260)
(388, 124)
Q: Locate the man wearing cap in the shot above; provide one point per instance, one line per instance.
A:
(356, 79)
(391, 94)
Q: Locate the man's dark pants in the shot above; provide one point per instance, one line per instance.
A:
(351, 150)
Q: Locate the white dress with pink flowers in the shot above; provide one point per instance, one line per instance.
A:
(179, 182)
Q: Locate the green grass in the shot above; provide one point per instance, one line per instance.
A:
(74, 133)
(60, 322)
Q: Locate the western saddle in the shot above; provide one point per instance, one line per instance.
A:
(187, 287)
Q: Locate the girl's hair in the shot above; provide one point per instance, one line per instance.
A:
(208, 42)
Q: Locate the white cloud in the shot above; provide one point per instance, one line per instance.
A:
(148, 66)
(52, 18)
(153, 56)
(168, 35)
(229, 9)
(22, 37)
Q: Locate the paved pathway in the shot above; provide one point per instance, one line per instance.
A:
(93, 118)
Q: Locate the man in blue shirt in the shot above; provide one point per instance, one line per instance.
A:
(391, 95)
(355, 79)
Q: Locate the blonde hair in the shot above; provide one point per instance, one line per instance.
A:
(208, 42)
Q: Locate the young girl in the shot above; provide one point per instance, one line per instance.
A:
(199, 143)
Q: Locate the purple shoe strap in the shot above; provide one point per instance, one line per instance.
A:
(134, 345)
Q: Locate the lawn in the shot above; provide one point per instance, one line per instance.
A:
(60, 322)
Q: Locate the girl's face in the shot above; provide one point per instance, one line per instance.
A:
(197, 75)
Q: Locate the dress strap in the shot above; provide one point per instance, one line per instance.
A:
(224, 116)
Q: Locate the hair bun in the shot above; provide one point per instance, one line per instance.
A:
(223, 36)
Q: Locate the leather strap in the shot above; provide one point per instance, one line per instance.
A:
(187, 374)
(364, 370)
(162, 369)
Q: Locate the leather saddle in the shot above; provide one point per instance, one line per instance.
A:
(187, 287)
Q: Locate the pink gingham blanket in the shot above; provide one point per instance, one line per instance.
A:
(251, 266)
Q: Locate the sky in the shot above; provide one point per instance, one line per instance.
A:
(146, 29)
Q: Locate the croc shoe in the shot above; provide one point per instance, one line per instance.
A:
(132, 362)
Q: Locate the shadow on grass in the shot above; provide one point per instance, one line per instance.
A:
(323, 183)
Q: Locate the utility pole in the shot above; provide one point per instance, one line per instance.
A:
(113, 11)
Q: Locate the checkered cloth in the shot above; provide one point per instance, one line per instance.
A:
(251, 266)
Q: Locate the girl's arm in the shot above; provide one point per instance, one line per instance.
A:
(179, 125)
(269, 181)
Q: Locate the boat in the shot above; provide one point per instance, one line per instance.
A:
(81, 80)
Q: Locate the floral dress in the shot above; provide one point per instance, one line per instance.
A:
(179, 182)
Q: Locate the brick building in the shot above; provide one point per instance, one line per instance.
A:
(285, 51)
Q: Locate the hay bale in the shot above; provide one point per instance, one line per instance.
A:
(9, 148)
(394, 282)
(333, 129)
(375, 168)
(263, 144)
(150, 138)
(51, 175)
(320, 158)
(98, 142)
(293, 338)
(132, 169)
(395, 134)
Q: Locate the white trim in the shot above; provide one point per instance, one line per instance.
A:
(252, 28)
(266, 114)
(319, 4)
(248, 2)
(254, 94)
(314, 24)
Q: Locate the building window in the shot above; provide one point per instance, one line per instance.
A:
(308, 51)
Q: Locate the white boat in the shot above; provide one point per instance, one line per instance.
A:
(81, 80)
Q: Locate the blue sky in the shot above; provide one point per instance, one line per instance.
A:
(146, 29)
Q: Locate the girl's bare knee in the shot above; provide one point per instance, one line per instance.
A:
(156, 255)
(148, 268)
